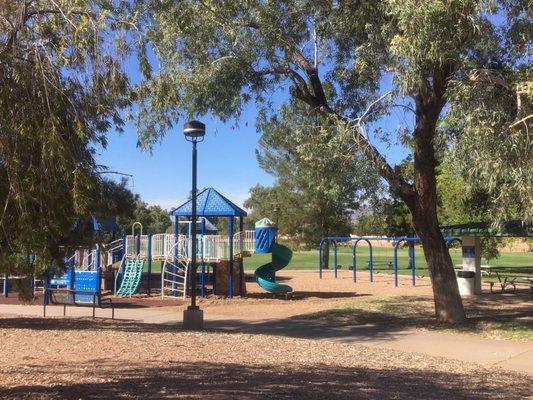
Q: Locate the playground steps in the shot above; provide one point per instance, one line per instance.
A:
(131, 278)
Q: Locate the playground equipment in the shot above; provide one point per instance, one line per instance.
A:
(132, 266)
(265, 242)
(222, 253)
(83, 276)
(354, 241)
(131, 279)
(220, 256)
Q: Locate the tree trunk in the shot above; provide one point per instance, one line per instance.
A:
(421, 197)
(448, 304)
(423, 207)
(325, 254)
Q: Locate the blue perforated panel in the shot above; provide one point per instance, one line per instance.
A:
(210, 203)
(264, 239)
(86, 281)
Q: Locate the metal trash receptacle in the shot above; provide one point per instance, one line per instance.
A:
(466, 281)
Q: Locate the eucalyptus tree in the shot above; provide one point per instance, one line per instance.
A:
(62, 84)
(216, 56)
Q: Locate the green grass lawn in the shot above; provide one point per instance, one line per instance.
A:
(309, 260)
(381, 256)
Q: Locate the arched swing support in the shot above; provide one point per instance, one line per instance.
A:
(411, 242)
(370, 259)
(335, 240)
(355, 241)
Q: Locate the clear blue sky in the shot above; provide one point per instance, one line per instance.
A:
(226, 159)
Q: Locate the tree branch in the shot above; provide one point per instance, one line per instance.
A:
(523, 120)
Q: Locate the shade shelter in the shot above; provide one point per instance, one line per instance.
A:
(210, 203)
(471, 234)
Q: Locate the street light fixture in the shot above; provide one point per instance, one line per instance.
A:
(193, 317)
(276, 210)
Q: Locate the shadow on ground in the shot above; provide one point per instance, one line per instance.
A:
(232, 381)
(377, 319)
(394, 313)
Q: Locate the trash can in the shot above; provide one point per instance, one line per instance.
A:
(466, 281)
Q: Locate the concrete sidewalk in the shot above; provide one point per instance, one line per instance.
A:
(510, 355)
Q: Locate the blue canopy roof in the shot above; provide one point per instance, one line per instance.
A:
(210, 203)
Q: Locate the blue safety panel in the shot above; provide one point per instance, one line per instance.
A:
(62, 281)
(210, 203)
(264, 239)
(98, 225)
(86, 281)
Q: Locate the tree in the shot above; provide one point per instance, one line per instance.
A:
(216, 56)
(386, 216)
(153, 218)
(61, 88)
(317, 187)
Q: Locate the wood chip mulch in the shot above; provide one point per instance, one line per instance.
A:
(82, 359)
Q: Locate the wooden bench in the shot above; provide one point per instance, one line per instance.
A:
(78, 298)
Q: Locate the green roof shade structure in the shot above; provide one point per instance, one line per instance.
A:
(265, 223)
(513, 228)
(209, 203)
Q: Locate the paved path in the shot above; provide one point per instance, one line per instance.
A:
(511, 355)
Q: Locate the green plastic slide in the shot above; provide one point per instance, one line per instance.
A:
(265, 275)
(131, 278)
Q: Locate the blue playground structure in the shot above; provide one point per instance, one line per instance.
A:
(265, 242)
(83, 276)
(125, 265)
(83, 267)
(354, 241)
(220, 256)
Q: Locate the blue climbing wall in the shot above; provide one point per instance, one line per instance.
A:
(264, 239)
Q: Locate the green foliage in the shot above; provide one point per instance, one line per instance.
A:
(217, 56)
(319, 183)
(386, 217)
(153, 218)
(61, 88)
(493, 145)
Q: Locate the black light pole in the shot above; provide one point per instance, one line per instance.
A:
(193, 317)
(276, 211)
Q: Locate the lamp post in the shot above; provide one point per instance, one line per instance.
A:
(193, 317)
(276, 212)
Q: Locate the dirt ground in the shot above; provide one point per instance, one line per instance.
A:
(311, 294)
(84, 359)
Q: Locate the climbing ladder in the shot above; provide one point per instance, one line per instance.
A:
(131, 277)
(174, 271)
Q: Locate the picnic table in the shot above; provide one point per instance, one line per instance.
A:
(509, 277)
